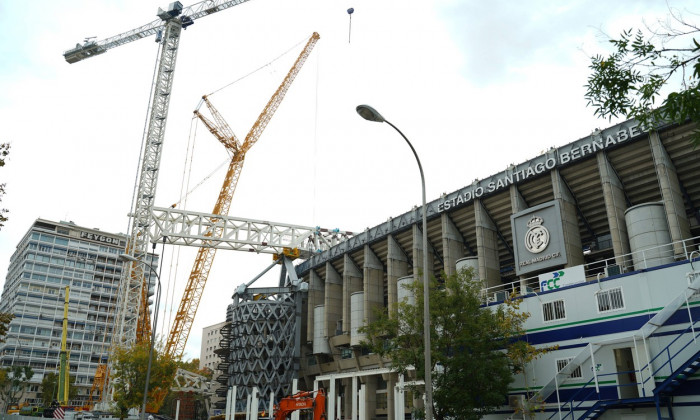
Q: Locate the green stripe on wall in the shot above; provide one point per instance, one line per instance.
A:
(650, 311)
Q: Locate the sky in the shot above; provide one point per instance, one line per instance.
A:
(475, 86)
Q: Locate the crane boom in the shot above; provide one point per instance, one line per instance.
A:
(177, 339)
(188, 15)
(184, 318)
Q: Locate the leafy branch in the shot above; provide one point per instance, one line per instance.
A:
(634, 79)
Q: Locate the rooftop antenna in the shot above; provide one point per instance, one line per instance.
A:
(350, 12)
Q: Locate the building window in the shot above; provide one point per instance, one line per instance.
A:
(345, 353)
(610, 300)
(561, 363)
(554, 310)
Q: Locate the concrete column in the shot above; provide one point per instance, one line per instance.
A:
(373, 283)
(569, 220)
(361, 409)
(355, 399)
(486, 247)
(333, 301)
(671, 194)
(352, 282)
(370, 394)
(452, 244)
(330, 400)
(295, 389)
(254, 404)
(418, 254)
(517, 202)
(390, 379)
(615, 206)
(396, 267)
(316, 296)
(349, 393)
(400, 399)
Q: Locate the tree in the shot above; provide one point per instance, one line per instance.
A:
(5, 319)
(642, 68)
(13, 383)
(4, 151)
(467, 340)
(130, 379)
(49, 388)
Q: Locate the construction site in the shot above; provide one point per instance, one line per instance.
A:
(617, 208)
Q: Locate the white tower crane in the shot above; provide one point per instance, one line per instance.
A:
(132, 318)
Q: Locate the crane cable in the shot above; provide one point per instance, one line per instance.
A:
(315, 149)
(199, 105)
(185, 182)
(175, 255)
(294, 47)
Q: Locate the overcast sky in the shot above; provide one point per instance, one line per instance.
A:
(475, 85)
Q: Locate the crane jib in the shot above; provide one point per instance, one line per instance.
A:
(187, 16)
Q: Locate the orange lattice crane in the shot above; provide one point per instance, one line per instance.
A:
(177, 339)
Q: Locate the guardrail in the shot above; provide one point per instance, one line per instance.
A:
(621, 264)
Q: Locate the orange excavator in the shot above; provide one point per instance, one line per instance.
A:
(303, 400)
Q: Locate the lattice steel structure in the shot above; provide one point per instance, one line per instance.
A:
(261, 344)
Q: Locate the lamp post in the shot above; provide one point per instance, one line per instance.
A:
(370, 114)
(127, 257)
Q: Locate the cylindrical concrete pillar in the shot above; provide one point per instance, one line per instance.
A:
(357, 317)
(649, 235)
(404, 294)
(469, 262)
(321, 345)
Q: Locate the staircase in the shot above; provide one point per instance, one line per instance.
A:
(679, 377)
(661, 392)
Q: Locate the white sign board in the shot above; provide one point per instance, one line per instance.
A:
(566, 276)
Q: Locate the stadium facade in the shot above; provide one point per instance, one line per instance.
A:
(596, 236)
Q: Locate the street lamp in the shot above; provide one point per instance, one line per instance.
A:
(127, 257)
(370, 114)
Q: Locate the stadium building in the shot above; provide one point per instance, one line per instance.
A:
(50, 257)
(597, 237)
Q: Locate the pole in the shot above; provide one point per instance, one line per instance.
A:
(153, 340)
(134, 260)
(371, 114)
(63, 374)
(426, 290)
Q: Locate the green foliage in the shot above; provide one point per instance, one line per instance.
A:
(13, 383)
(49, 388)
(130, 375)
(467, 343)
(4, 151)
(642, 68)
(5, 319)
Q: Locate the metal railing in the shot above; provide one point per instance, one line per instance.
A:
(627, 263)
(672, 351)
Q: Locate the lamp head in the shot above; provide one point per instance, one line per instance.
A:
(369, 113)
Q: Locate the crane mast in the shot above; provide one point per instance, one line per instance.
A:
(132, 321)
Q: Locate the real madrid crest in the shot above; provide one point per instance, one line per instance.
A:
(537, 236)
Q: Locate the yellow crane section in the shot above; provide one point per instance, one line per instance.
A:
(179, 333)
(177, 339)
